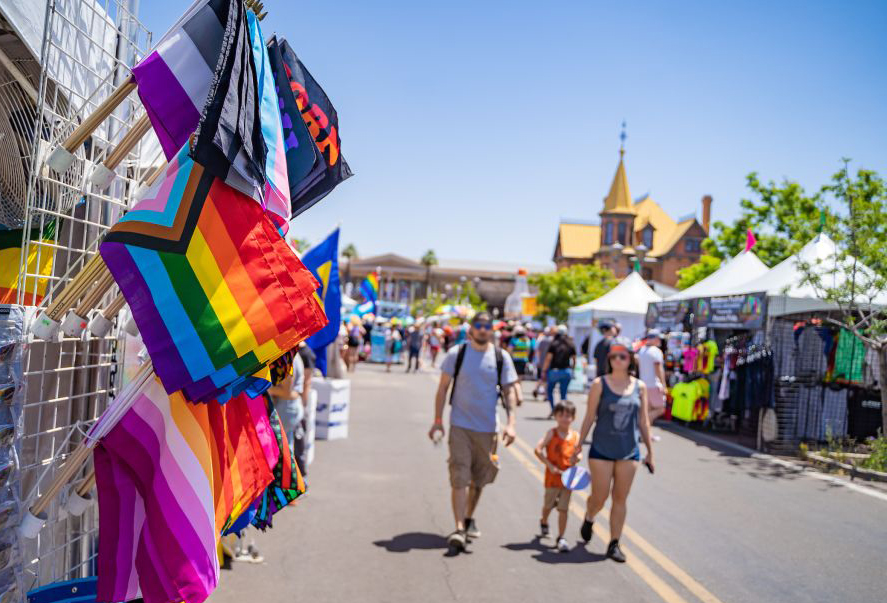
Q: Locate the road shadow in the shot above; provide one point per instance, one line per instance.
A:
(546, 554)
(410, 541)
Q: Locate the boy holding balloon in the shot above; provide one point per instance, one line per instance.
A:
(556, 451)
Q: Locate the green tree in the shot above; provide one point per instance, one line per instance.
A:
(428, 260)
(855, 280)
(349, 253)
(474, 298)
(694, 273)
(561, 290)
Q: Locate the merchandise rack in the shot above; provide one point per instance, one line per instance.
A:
(88, 47)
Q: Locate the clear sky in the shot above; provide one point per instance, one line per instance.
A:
(473, 127)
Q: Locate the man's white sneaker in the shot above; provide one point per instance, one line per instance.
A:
(562, 545)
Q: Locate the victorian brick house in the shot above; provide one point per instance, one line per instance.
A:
(633, 231)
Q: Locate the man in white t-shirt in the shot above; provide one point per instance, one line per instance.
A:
(652, 372)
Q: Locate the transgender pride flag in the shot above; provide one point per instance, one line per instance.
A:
(210, 75)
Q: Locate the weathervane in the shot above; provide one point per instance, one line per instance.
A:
(622, 137)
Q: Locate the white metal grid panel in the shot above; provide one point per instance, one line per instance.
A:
(87, 45)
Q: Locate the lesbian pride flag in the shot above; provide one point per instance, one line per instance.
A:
(213, 288)
(210, 75)
(170, 477)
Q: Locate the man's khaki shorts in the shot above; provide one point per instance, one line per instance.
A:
(473, 459)
(559, 497)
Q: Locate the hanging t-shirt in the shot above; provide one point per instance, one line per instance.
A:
(700, 406)
(690, 355)
(708, 353)
(684, 396)
(520, 348)
(849, 357)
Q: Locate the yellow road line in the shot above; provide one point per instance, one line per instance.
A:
(636, 539)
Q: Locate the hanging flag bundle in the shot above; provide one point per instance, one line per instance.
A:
(171, 476)
(323, 262)
(210, 74)
(287, 484)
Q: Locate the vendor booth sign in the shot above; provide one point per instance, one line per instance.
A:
(667, 314)
(745, 311)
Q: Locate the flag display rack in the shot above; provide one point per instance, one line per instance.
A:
(85, 55)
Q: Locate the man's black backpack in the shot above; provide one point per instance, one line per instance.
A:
(460, 357)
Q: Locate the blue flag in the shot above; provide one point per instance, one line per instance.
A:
(323, 261)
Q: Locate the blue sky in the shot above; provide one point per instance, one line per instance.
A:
(474, 127)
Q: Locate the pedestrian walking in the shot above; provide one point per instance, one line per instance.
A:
(608, 331)
(479, 373)
(435, 340)
(393, 344)
(651, 370)
(617, 408)
(355, 335)
(541, 350)
(414, 343)
(558, 368)
(557, 451)
(519, 348)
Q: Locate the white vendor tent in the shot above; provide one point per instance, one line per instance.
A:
(784, 286)
(744, 267)
(626, 303)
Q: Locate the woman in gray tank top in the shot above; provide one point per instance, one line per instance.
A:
(617, 407)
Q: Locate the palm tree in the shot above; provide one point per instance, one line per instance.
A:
(350, 253)
(428, 260)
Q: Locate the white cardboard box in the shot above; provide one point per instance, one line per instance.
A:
(333, 400)
(310, 429)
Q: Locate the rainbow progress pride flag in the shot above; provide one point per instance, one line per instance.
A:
(213, 288)
(370, 287)
(170, 477)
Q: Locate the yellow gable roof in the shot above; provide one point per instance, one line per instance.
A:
(579, 240)
(650, 212)
(679, 230)
(619, 198)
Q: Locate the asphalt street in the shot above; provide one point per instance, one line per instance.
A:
(712, 524)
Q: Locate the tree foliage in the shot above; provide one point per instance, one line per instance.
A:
(783, 217)
(694, 273)
(559, 291)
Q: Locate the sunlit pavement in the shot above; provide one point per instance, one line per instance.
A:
(711, 525)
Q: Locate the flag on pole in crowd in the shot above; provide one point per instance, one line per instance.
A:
(750, 240)
(209, 75)
(214, 289)
(170, 475)
(322, 121)
(323, 262)
(370, 288)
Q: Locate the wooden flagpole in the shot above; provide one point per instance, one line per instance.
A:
(128, 142)
(101, 113)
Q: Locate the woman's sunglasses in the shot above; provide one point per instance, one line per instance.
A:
(618, 357)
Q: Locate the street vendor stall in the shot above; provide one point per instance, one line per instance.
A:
(626, 303)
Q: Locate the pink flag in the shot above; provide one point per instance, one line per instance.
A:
(750, 240)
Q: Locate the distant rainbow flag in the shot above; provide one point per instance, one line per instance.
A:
(214, 289)
(170, 477)
(370, 287)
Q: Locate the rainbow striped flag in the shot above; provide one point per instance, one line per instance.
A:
(39, 262)
(214, 289)
(210, 75)
(370, 287)
(170, 477)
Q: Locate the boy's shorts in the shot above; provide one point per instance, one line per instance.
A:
(473, 459)
(559, 497)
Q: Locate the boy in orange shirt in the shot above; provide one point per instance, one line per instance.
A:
(555, 450)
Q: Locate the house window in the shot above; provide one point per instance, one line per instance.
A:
(608, 233)
(693, 245)
(648, 237)
(623, 227)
